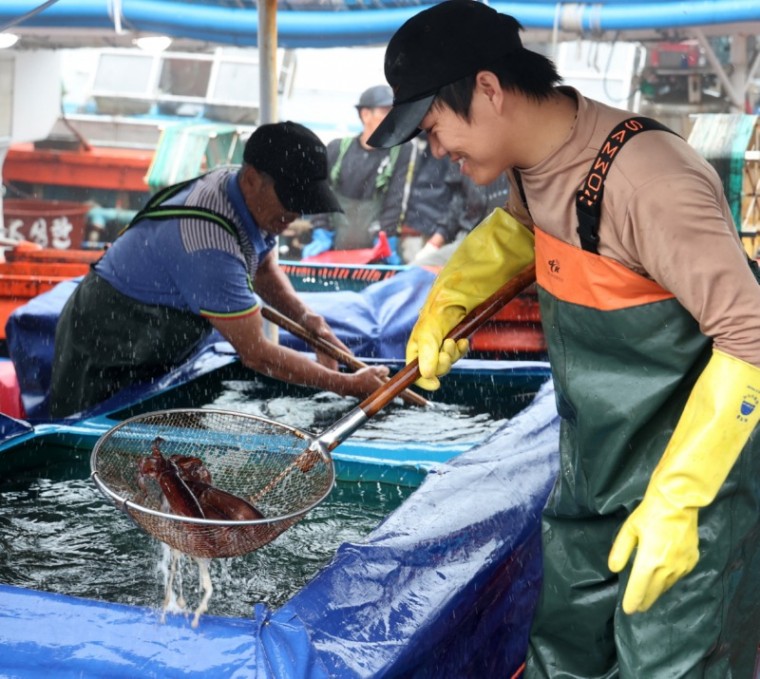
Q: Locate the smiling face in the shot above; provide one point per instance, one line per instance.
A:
(480, 144)
(261, 199)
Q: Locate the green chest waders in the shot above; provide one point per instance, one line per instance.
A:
(357, 227)
(625, 355)
(106, 341)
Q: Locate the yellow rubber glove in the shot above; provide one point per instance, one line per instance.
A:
(494, 252)
(720, 414)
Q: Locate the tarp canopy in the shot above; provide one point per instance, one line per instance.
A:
(334, 23)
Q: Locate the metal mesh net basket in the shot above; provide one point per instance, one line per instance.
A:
(248, 456)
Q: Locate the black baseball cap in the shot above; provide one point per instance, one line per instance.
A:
(436, 47)
(296, 159)
(377, 96)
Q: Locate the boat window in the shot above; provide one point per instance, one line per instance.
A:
(236, 82)
(127, 73)
(184, 77)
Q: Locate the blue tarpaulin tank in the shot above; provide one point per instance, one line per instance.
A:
(444, 587)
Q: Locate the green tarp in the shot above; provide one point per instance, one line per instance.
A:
(186, 150)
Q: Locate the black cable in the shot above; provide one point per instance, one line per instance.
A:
(28, 15)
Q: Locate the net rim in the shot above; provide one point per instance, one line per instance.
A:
(130, 506)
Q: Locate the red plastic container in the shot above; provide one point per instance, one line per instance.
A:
(53, 224)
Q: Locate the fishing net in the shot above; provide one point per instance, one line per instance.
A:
(263, 463)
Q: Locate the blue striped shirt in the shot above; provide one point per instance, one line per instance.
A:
(191, 263)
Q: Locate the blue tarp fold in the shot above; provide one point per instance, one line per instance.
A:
(445, 587)
(374, 322)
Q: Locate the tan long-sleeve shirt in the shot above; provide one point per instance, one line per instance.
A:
(664, 216)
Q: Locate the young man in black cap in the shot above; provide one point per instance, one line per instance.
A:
(651, 542)
(194, 258)
(366, 182)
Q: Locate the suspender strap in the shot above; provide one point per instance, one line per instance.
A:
(408, 180)
(521, 189)
(335, 172)
(384, 170)
(154, 210)
(184, 212)
(159, 197)
(588, 200)
(181, 211)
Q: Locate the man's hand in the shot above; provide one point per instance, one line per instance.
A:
(317, 325)
(494, 252)
(666, 541)
(435, 355)
(364, 382)
(720, 414)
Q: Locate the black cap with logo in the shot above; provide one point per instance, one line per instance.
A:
(436, 47)
(296, 159)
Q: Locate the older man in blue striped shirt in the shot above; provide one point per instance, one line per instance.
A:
(194, 259)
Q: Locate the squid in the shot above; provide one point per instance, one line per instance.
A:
(188, 490)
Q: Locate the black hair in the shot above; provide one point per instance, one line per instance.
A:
(525, 71)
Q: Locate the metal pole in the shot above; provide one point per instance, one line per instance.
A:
(267, 38)
(268, 61)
